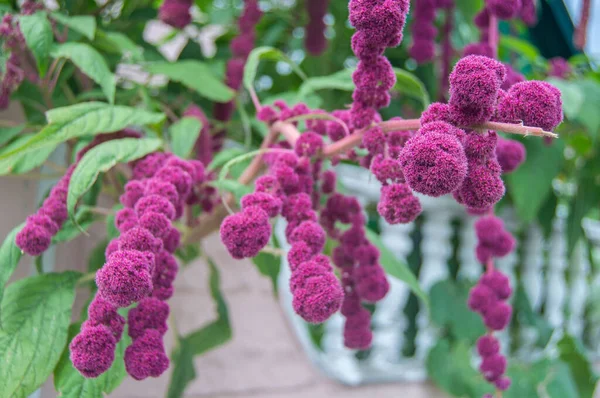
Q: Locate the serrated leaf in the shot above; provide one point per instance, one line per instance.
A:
(36, 312)
(84, 24)
(8, 133)
(38, 35)
(101, 159)
(69, 383)
(76, 121)
(91, 63)
(411, 86)
(10, 255)
(261, 53)
(27, 163)
(536, 174)
(184, 134)
(397, 268)
(195, 75)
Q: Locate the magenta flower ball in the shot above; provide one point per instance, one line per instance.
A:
(245, 234)
(146, 357)
(93, 351)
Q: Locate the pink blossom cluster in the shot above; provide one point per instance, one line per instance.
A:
(423, 28)
(36, 236)
(559, 67)
(378, 25)
(241, 46)
(488, 298)
(176, 13)
(315, 41)
(140, 268)
(14, 74)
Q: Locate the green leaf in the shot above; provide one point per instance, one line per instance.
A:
(27, 163)
(91, 63)
(8, 133)
(200, 341)
(341, 80)
(84, 24)
(572, 96)
(536, 174)
(184, 134)
(224, 157)
(586, 198)
(188, 253)
(35, 318)
(79, 120)
(269, 265)
(574, 355)
(195, 75)
(73, 228)
(101, 159)
(235, 187)
(519, 46)
(69, 383)
(449, 309)
(527, 316)
(449, 366)
(411, 86)
(38, 35)
(10, 255)
(397, 268)
(123, 44)
(261, 53)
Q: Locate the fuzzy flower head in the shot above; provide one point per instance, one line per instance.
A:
(319, 298)
(357, 329)
(483, 186)
(559, 67)
(309, 144)
(434, 162)
(149, 165)
(493, 367)
(134, 190)
(487, 346)
(383, 21)
(246, 233)
(436, 112)
(176, 13)
(474, 84)
(155, 186)
(310, 233)
(371, 283)
(151, 313)
(535, 103)
(101, 312)
(511, 154)
(387, 170)
(125, 278)
(269, 203)
(155, 204)
(398, 205)
(504, 9)
(146, 356)
(125, 219)
(33, 239)
(498, 316)
(493, 239)
(93, 351)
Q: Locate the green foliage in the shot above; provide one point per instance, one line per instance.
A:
(38, 35)
(84, 24)
(101, 159)
(449, 309)
(536, 174)
(195, 75)
(10, 255)
(35, 319)
(184, 134)
(269, 265)
(91, 62)
(79, 120)
(200, 341)
(268, 53)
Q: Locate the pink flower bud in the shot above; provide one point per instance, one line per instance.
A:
(93, 351)
(246, 233)
(101, 312)
(146, 356)
(151, 313)
(269, 203)
(493, 367)
(487, 346)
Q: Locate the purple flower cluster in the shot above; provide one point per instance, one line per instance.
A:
(241, 46)
(176, 13)
(36, 236)
(488, 298)
(559, 67)
(510, 153)
(378, 25)
(315, 41)
(493, 240)
(423, 28)
(140, 267)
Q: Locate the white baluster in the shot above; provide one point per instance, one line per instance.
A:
(469, 267)
(389, 321)
(580, 269)
(436, 248)
(533, 263)
(557, 289)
